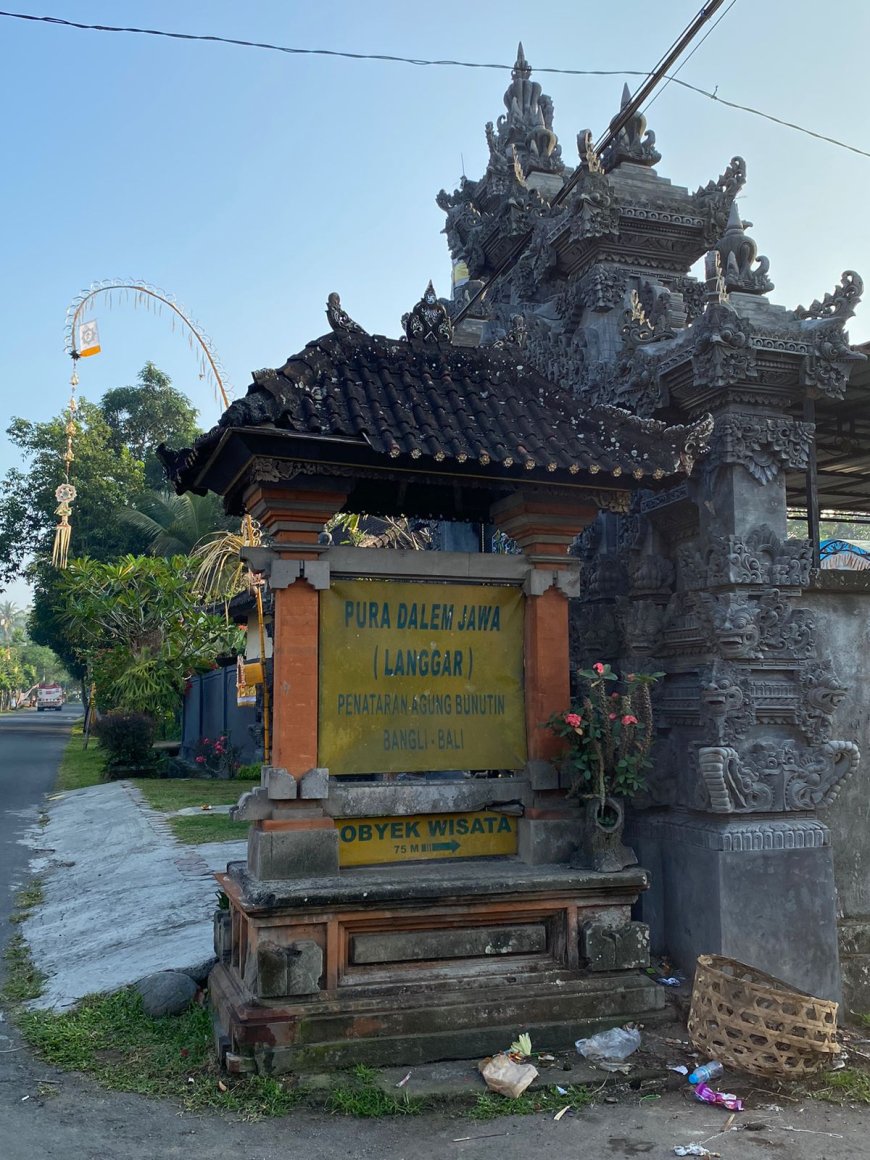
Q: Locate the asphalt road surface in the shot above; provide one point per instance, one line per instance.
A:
(47, 1114)
(31, 745)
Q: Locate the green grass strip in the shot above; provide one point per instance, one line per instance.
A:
(80, 767)
(111, 1038)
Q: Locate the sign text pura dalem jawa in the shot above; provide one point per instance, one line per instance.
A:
(417, 676)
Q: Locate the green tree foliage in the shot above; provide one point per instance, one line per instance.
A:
(12, 620)
(22, 662)
(104, 476)
(15, 677)
(45, 624)
(173, 525)
(136, 624)
(142, 417)
(114, 454)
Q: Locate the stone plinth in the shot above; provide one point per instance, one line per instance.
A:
(760, 890)
(390, 965)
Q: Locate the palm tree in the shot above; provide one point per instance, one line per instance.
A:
(174, 524)
(11, 618)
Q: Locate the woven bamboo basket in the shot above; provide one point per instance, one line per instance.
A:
(758, 1024)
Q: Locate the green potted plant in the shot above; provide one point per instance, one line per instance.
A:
(608, 734)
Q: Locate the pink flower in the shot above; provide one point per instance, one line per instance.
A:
(598, 667)
(630, 677)
(614, 696)
(200, 761)
(612, 716)
(573, 719)
(629, 719)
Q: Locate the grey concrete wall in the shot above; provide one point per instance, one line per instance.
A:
(210, 710)
(841, 603)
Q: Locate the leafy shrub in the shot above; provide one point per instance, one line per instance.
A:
(216, 758)
(249, 772)
(126, 739)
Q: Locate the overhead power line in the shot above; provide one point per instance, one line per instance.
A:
(421, 62)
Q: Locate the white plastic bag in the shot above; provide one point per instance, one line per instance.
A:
(502, 1075)
(610, 1049)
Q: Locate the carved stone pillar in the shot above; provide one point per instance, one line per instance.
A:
(740, 863)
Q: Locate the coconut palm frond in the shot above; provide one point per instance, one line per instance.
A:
(221, 572)
(172, 524)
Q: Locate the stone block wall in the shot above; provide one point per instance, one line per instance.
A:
(841, 603)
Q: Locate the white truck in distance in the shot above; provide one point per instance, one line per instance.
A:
(49, 697)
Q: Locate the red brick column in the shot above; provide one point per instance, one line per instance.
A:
(545, 527)
(547, 670)
(294, 514)
(295, 669)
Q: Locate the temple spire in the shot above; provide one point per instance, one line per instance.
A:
(737, 253)
(526, 128)
(522, 68)
(634, 142)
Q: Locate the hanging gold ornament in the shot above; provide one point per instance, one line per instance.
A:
(66, 492)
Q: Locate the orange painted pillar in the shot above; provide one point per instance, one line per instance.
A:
(295, 670)
(547, 670)
(544, 527)
(293, 514)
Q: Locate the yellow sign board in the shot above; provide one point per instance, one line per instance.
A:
(417, 677)
(366, 841)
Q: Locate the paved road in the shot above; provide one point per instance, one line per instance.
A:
(31, 745)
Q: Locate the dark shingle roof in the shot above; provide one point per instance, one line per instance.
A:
(441, 402)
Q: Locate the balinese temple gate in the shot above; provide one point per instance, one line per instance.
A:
(408, 892)
(389, 910)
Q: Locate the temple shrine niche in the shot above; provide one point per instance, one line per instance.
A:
(635, 433)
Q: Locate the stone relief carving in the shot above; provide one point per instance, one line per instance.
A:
(592, 209)
(339, 319)
(726, 701)
(839, 304)
(728, 790)
(734, 620)
(762, 444)
(775, 776)
(429, 321)
(650, 574)
(646, 319)
(694, 297)
(782, 627)
(822, 693)
(595, 633)
(828, 364)
(599, 290)
(641, 624)
(720, 351)
(762, 558)
(735, 626)
(713, 200)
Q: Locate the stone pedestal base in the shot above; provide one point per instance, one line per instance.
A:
(391, 965)
(293, 849)
(760, 890)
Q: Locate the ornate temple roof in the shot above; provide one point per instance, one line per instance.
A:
(422, 401)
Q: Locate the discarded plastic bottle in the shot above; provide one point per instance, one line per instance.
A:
(704, 1074)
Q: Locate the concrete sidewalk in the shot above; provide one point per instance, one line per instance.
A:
(123, 897)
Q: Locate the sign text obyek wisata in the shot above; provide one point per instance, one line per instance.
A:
(420, 676)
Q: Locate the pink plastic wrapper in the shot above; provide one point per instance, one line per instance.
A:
(724, 1099)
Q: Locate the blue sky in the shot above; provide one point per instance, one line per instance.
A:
(251, 184)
